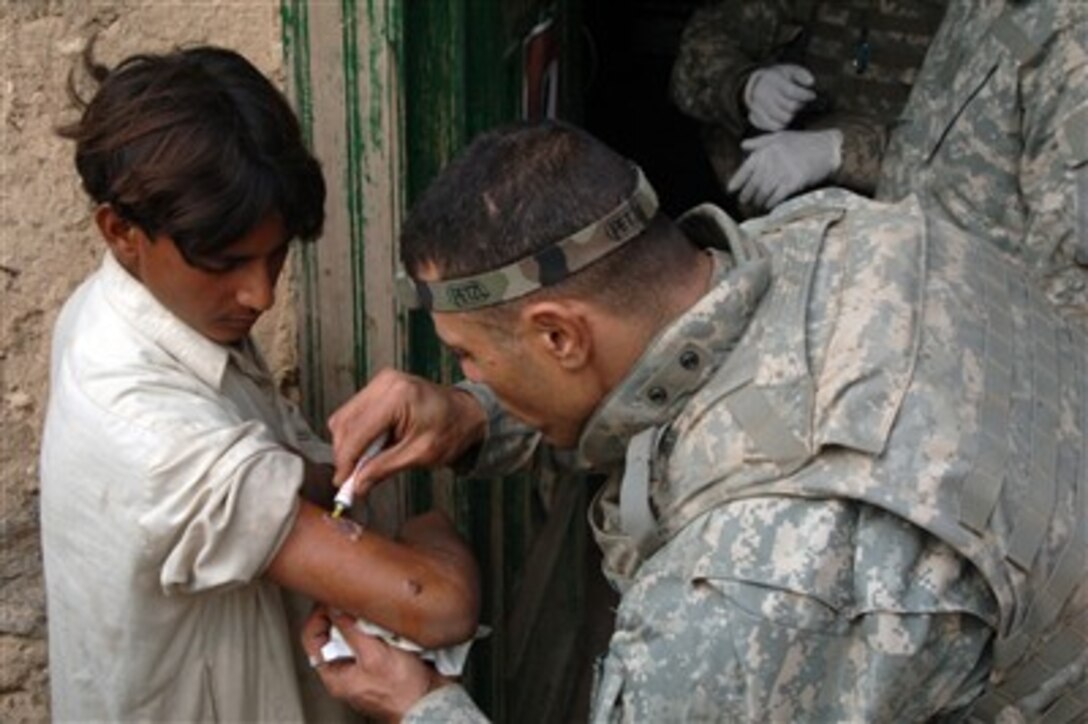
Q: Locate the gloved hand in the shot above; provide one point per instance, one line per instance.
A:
(775, 94)
(781, 164)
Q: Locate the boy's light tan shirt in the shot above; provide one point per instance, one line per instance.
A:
(167, 487)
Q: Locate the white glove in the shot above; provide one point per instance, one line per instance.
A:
(781, 164)
(775, 94)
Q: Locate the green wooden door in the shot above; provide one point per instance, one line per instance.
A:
(389, 91)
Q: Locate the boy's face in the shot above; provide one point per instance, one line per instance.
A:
(223, 296)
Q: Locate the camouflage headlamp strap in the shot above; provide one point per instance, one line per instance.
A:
(548, 266)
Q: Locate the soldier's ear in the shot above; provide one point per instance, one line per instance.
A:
(559, 330)
(121, 235)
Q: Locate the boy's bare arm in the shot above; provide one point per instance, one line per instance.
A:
(424, 586)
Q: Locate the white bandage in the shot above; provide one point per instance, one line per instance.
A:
(449, 661)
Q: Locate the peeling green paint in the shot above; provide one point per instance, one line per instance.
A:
(377, 22)
(296, 48)
(353, 182)
(439, 71)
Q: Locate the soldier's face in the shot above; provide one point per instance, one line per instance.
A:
(527, 380)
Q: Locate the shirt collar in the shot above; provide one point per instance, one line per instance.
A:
(206, 359)
(678, 361)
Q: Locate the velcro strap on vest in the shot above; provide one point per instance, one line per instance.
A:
(637, 519)
(768, 431)
(1033, 518)
(982, 485)
(1009, 34)
(1043, 661)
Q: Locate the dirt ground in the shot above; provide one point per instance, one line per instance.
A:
(47, 247)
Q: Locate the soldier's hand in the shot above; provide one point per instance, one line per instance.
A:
(381, 681)
(781, 164)
(774, 95)
(429, 425)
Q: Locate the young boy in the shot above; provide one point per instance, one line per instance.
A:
(171, 468)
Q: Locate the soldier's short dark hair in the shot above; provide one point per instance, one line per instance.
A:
(198, 145)
(518, 189)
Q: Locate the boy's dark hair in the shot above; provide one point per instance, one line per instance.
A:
(198, 145)
(516, 190)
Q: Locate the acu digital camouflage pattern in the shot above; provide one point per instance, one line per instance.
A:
(870, 481)
(548, 266)
(864, 55)
(448, 705)
(994, 137)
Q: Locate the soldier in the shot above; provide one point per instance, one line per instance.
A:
(994, 137)
(812, 88)
(846, 444)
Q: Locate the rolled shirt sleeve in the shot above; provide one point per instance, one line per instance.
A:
(218, 485)
(220, 503)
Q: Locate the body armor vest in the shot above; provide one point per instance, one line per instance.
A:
(896, 362)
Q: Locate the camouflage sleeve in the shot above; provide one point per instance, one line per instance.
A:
(1053, 160)
(722, 44)
(863, 142)
(447, 705)
(509, 444)
(773, 609)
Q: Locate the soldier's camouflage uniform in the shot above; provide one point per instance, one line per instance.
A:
(864, 55)
(849, 484)
(994, 137)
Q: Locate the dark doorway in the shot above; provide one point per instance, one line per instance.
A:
(631, 45)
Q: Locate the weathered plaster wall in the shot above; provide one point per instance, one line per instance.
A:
(47, 247)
